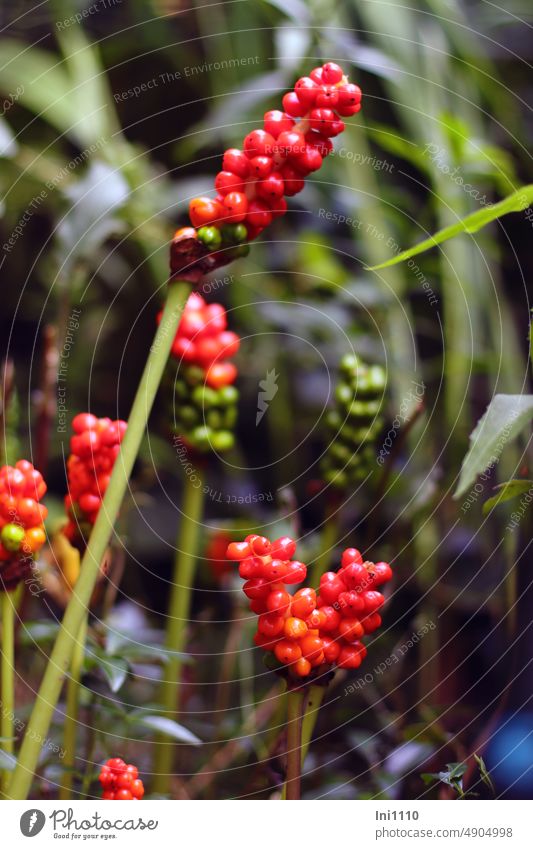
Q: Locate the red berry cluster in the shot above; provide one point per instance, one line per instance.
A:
(22, 532)
(349, 600)
(309, 630)
(273, 164)
(120, 781)
(203, 340)
(94, 448)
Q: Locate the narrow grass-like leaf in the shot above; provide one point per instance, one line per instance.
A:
(516, 202)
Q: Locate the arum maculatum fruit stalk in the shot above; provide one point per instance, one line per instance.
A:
(354, 424)
(205, 399)
(120, 781)
(309, 632)
(252, 187)
(22, 533)
(94, 446)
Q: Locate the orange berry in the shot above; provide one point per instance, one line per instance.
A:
(302, 667)
(295, 628)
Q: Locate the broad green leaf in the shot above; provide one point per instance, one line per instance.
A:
(7, 761)
(47, 90)
(507, 491)
(516, 202)
(504, 418)
(115, 670)
(166, 726)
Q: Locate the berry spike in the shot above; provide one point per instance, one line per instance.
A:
(94, 447)
(273, 164)
(309, 632)
(120, 781)
(22, 533)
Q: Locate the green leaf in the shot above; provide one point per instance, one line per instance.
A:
(7, 761)
(507, 491)
(504, 418)
(452, 776)
(47, 90)
(115, 670)
(166, 726)
(484, 773)
(516, 202)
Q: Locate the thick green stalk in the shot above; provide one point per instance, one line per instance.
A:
(295, 699)
(313, 700)
(60, 658)
(328, 540)
(71, 712)
(178, 616)
(8, 672)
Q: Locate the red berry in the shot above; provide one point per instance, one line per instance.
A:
(351, 555)
(238, 551)
(292, 105)
(316, 75)
(261, 166)
(290, 143)
(287, 651)
(292, 179)
(284, 548)
(309, 160)
(296, 573)
(272, 187)
(259, 143)
(226, 181)
(204, 210)
(236, 161)
(327, 97)
(277, 122)
(306, 91)
(259, 214)
(331, 73)
(235, 207)
(303, 603)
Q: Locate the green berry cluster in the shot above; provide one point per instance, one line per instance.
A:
(204, 417)
(354, 423)
(231, 234)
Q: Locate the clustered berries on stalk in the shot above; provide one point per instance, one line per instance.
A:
(354, 424)
(254, 182)
(206, 400)
(309, 631)
(22, 532)
(120, 781)
(94, 447)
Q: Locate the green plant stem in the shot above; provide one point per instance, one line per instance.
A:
(178, 616)
(8, 678)
(295, 698)
(313, 700)
(328, 540)
(71, 713)
(60, 657)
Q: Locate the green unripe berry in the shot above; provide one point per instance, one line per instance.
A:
(180, 389)
(336, 478)
(204, 397)
(349, 364)
(222, 440)
(343, 394)
(229, 418)
(194, 375)
(215, 419)
(227, 395)
(201, 437)
(234, 233)
(188, 415)
(12, 536)
(334, 420)
(377, 378)
(210, 236)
